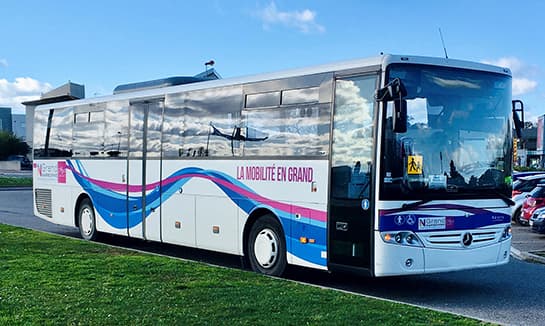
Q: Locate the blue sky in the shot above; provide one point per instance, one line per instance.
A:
(102, 44)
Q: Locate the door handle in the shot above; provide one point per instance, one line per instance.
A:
(341, 226)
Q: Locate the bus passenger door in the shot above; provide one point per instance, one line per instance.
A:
(350, 220)
(144, 170)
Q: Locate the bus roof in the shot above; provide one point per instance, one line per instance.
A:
(379, 61)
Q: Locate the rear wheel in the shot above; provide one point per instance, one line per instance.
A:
(87, 221)
(267, 247)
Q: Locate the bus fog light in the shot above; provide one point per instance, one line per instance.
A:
(409, 262)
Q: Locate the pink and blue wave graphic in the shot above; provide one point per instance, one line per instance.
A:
(112, 199)
(468, 218)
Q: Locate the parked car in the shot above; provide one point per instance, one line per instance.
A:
(521, 188)
(537, 221)
(535, 200)
(518, 175)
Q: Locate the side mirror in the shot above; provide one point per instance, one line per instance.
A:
(399, 121)
(519, 123)
(395, 91)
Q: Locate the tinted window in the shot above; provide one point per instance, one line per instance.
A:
(136, 136)
(297, 96)
(117, 125)
(203, 123)
(89, 131)
(153, 138)
(263, 99)
(352, 149)
(173, 127)
(60, 135)
(40, 128)
(301, 130)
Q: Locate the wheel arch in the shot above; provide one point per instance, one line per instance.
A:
(80, 198)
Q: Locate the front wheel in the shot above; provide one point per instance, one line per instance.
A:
(267, 247)
(518, 215)
(87, 221)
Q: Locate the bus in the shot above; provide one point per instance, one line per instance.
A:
(391, 165)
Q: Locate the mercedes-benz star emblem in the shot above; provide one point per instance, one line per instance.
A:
(467, 239)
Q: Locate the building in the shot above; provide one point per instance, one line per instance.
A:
(5, 119)
(18, 123)
(527, 154)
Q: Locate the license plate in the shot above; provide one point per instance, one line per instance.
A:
(531, 223)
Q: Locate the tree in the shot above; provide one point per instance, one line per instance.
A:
(11, 145)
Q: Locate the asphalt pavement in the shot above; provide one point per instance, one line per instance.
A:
(527, 245)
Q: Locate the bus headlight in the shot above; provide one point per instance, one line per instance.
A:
(506, 233)
(405, 238)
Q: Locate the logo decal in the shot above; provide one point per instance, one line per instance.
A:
(432, 223)
(467, 239)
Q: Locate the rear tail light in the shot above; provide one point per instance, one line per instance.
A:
(531, 201)
(515, 192)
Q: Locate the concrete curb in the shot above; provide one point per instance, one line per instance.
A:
(526, 256)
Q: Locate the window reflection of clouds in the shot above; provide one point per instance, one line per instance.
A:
(117, 127)
(303, 95)
(153, 145)
(60, 137)
(300, 130)
(187, 130)
(353, 124)
(88, 131)
(40, 129)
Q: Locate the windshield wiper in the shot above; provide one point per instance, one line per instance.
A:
(506, 199)
(415, 204)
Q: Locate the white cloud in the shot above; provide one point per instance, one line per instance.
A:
(3, 62)
(304, 20)
(21, 90)
(522, 83)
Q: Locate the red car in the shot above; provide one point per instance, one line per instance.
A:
(535, 200)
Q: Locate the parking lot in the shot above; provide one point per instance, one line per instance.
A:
(528, 245)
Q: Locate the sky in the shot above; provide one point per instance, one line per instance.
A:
(102, 44)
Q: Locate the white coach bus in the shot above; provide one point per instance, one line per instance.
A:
(391, 165)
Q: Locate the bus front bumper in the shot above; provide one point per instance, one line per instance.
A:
(391, 259)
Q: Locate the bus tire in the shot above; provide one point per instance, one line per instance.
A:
(87, 220)
(267, 247)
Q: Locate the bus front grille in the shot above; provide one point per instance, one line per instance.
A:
(460, 239)
(43, 201)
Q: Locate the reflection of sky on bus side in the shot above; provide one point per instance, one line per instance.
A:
(117, 126)
(40, 128)
(353, 125)
(61, 130)
(186, 126)
(298, 130)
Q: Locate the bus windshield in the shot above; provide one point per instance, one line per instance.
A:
(458, 142)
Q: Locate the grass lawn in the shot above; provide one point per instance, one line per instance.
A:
(48, 279)
(15, 182)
